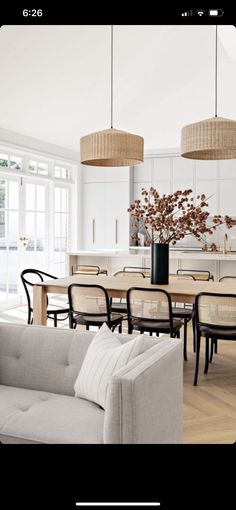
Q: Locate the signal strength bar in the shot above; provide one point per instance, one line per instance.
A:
(187, 13)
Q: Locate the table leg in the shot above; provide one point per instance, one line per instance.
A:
(40, 305)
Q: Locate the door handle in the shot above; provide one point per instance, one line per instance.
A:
(116, 231)
(93, 231)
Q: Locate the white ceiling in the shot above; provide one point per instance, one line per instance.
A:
(55, 80)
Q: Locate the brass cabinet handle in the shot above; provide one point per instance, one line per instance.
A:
(93, 231)
(116, 230)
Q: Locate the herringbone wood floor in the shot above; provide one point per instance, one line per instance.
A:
(209, 409)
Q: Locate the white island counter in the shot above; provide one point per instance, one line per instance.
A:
(114, 260)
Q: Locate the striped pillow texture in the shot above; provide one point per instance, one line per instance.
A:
(105, 355)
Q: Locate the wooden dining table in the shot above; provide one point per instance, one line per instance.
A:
(181, 291)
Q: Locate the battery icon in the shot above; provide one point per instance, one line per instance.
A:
(216, 12)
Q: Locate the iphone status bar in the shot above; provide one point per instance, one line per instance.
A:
(101, 15)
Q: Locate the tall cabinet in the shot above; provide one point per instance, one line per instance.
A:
(105, 197)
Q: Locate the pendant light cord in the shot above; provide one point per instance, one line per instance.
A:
(111, 76)
(216, 72)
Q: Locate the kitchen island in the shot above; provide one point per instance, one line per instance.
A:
(217, 263)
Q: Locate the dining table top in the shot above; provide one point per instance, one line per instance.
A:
(112, 283)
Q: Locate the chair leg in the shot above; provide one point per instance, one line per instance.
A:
(185, 339)
(197, 346)
(70, 321)
(212, 350)
(130, 328)
(206, 356)
(216, 345)
(193, 326)
(120, 328)
(29, 317)
(87, 327)
(178, 334)
(150, 333)
(55, 321)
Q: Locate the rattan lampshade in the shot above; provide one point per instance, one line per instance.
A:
(111, 147)
(213, 138)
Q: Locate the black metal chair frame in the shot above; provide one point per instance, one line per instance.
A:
(173, 333)
(186, 315)
(53, 313)
(211, 336)
(190, 271)
(74, 320)
(122, 307)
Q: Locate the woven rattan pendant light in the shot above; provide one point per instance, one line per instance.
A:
(213, 138)
(111, 147)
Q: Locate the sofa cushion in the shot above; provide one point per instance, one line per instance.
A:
(42, 417)
(40, 358)
(104, 356)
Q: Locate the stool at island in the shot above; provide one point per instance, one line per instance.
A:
(88, 269)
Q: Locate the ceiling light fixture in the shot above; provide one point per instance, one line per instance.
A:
(213, 138)
(111, 147)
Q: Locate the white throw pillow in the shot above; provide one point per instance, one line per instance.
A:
(105, 355)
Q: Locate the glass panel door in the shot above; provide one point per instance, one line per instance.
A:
(61, 228)
(9, 237)
(35, 225)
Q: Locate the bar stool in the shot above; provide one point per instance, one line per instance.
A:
(198, 274)
(88, 269)
(145, 270)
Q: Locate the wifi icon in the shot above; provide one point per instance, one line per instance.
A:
(200, 12)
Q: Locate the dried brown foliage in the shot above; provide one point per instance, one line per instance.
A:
(169, 218)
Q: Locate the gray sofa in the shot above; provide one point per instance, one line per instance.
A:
(38, 368)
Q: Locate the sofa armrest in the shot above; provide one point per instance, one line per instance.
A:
(144, 398)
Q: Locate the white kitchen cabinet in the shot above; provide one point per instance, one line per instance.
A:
(105, 218)
(117, 217)
(93, 216)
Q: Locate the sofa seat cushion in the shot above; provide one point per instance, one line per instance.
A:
(39, 416)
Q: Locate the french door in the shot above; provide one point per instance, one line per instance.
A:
(24, 233)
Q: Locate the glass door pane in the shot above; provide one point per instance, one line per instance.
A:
(35, 226)
(9, 236)
(61, 229)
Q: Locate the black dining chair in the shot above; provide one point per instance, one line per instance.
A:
(89, 306)
(185, 312)
(214, 343)
(29, 278)
(151, 310)
(120, 305)
(215, 319)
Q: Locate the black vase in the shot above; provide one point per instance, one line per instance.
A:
(160, 263)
